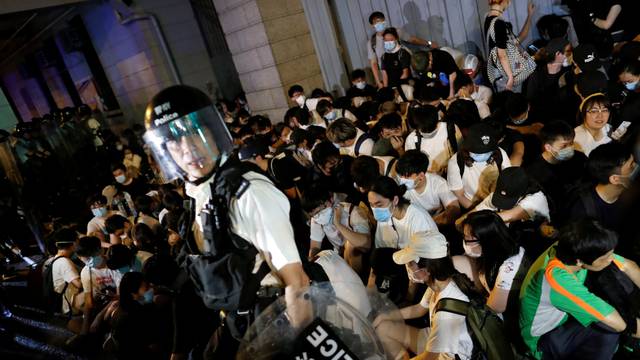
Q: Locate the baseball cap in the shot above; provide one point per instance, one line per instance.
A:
(481, 138)
(511, 185)
(586, 57)
(253, 148)
(556, 45)
(423, 245)
(470, 63)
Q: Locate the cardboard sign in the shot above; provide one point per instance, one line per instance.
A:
(318, 342)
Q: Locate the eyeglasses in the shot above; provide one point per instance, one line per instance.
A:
(596, 111)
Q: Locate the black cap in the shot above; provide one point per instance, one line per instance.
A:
(172, 103)
(586, 57)
(481, 138)
(556, 45)
(591, 82)
(511, 185)
(254, 147)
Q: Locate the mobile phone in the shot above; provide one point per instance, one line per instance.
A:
(533, 48)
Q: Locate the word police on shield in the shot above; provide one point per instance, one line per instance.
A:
(319, 341)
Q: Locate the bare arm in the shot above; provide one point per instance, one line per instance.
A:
(464, 202)
(452, 78)
(517, 154)
(376, 71)
(632, 270)
(498, 299)
(385, 79)
(449, 215)
(515, 214)
(405, 73)
(615, 322)
(606, 24)
(418, 41)
(527, 24)
(413, 311)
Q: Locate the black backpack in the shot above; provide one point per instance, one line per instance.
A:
(52, 299)
(223, 276)
(361, 139)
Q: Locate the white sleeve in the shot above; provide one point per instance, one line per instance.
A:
(68, 270)
(453, 174)
(508, 271)
(506, 162)
(410, 141)
(316, 233)
(366, 148)
(445, 332)
(261, 216)
(535, 205)
(444, 194)
(485, 204)
(359, 222)
(85, 279)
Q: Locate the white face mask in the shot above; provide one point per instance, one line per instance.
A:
(300, 100)
(472, 251)
(566, 62)
(412, 276)
(123, 236)
(360, 85)
(409, 183)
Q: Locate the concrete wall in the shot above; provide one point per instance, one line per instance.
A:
(26, 94)
(272, 49)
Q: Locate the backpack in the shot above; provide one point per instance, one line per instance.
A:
(52, 299)
(222, 276)
(485, 327)
(361, 139)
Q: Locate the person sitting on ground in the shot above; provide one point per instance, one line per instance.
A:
(145, 213)
(595, 128)
(118, 228)
(351, 140)
(360, 92)
(326, 110)
(126, 183)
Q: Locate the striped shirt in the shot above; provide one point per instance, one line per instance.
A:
(550, 293)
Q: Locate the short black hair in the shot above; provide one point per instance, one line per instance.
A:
(318, 93)
(118, 256)
(364, 171)
(517, 104)
(172, 201)
(606, 160)
(392, 31)
(462, 79)
(390, 121)
(358, 74)
(426, 93)
(412, 162)
(65, 238)
(115, 222)
(375, 15)
(632, 67)
(143, 204)
(389, 188)
(554, 130)
(88, 246)
(96, 198)
(585, 240)
(118, 166)
(463, 113)
(324, 151)
(299, 113)
(323, 107)
(424, 118)
(314, 197)
(294, 89)
(160, 270)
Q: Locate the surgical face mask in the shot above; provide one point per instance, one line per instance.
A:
(99, 212)
(123, 236)
(300, 100)
(631, 86)
(360, 85)
(330, 116)
(121, 179)
(410, 184)
(483, 157)
(563, 154)
(380, 26)
(519, 122)
(566, 62)
(381, 214)
(389, 46)
(147, 298)
(94, 261)
(324, 216)
(412, 276)
(472, 251)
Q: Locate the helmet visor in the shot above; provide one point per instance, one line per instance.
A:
(189, 147)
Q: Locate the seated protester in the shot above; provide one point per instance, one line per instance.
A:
(296, 95)
(345, 225)
(328, 113)
(125, 183)
(98, 205)
(520, 117)
(543, 85)
(122, 260)
(426, 190)
(559, 317)
(437, 139)
(474, 169)
(118, 228)
(612, 167)
(365, 170)
(286, 170)
(559, 169)
(171, 201)
(65, 276)
(98, 281)
(146, 243)
(297, 118)
(509, 140)
(144, 205)
(495, 263)
(397, 219)
(391, 136)
(360, 92)
(465, 89)
(120, 202)
(594, 131)
(516, 198)
(132, 162)
(281, 137)
(463, 113)
(303, 142)
(427, 262)
(136, 322)
(396, 61)
(473, 68)
(333, 170)
(351, 140)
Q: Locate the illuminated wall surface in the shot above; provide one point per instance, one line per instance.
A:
(7, 118)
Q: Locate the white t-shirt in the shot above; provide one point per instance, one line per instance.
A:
(97, 224)
(585, 142)
(536, 205)
(479, 180)
(435, 196)
(448, 333)
(64, 271)
(357, 220)
(162, 213)
(101, 279)
(397, 233)
(260, 216)
(366, 148)
(508, 271)
(436, 146)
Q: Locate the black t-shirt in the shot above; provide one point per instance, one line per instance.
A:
(502, 28)
(368, 90)
(509, 139)
(442, 62)
(542, 91)
(394, 64)
(287, 171)
(609, 215)
(138, 187)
